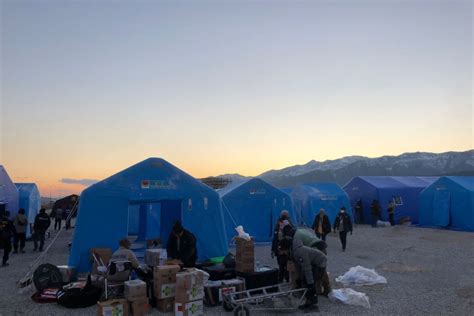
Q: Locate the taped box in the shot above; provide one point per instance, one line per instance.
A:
(140, 307)
(164, 290)
(134, 290)
(165, 305)
(188, 309)
(155, 257)
(117, 307)
(189, 286)
(165, 274)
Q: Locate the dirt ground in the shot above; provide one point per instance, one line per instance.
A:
(429, 272)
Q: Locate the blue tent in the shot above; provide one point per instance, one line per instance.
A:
(9, 197)
(163, 194)
(256, 205)
(448, 202)
(309, 198)
(30, 200)
(404, 190)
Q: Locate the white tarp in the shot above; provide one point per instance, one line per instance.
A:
(361, 276)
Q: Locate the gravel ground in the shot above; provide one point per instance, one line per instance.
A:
(429, 272)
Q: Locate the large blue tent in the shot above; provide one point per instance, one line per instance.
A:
(163, 194)
(448, 202)
(404, 191)
(256, 205)
(30, 200)
(9, 198)
(309, 198)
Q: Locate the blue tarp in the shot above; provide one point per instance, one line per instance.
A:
(448, 202)
(30, 200)
(405, 191)
(309, 198)
(256, 205)
(9, 197)
(103, 217)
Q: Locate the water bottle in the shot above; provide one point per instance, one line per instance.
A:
(257, 269)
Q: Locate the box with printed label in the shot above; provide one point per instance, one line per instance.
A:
(164, 290)
(165, 274)
(134, 290)
(117, 307)
(189, 309)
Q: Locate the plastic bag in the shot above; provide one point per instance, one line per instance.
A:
(242, 233)
(350, 297)
(383, 224)
(361, 276)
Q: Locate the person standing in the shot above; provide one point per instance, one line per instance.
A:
(58, 217)
(375, 212)
(6, 233)
(359, 212)
(321, 225)
(182, 246)
(343, 224)
(281, 246)
(20, 223)
(391, 212)
(67, 220)
(41, 225)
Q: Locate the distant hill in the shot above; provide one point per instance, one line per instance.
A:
(342, 170)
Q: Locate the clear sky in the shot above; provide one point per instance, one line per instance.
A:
(89, 88)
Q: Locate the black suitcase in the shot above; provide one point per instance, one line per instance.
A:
(219, 272)
(255, 280)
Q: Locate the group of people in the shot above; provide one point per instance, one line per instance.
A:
(307, 252)
(59, 215)
(375, 212)
(16, 229)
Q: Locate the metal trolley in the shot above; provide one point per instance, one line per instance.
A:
(269, 298)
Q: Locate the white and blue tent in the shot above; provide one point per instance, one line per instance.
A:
(448, 203)
(309, 198)
(159, 194)
(404, 191)
(9, 198)
(30, 200)
(256, 205)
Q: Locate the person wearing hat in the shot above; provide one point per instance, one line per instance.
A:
(182, 246)
(281, 246)
(321, 225)
(311, 266)
(343, 224)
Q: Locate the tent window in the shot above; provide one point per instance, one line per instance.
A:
(275, 201)
(190, 204)
(206, 203)
(398, 200)
(284, 201)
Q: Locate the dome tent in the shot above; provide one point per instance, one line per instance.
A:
(404, 190)
(164, 193)
(30, 200)
(448, 202)
(309, 198)
(256, 205)
(9, 196)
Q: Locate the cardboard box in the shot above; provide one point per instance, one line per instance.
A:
(165, 290)
(135, 290)
(244, 255)
(175, 262)
(189, 286)
(118, 307)
(187, 309)
(155, 257)
(165, 305)
(103, 253)
(139, 307)
(165, 274)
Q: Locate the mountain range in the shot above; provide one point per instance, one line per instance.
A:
(342, 170)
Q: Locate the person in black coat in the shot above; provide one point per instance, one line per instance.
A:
(281, 246)
(321, 225)
(40, 226)
(7, 230)
(182, 246)
(343, 224)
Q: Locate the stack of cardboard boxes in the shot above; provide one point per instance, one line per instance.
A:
(135, 292)
(164, 283)
(245, 255)
(189, 293)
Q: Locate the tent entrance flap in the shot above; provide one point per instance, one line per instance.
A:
(441, 208)
(171, 212)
